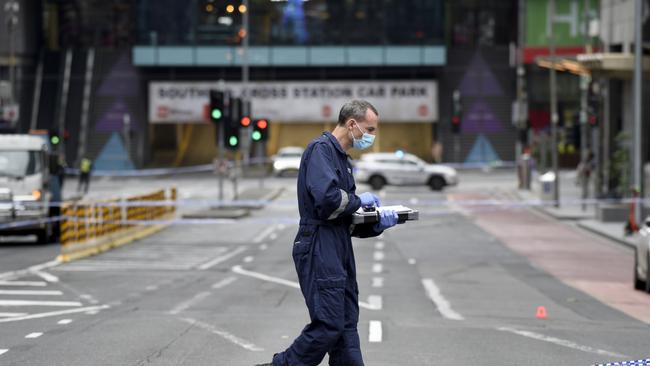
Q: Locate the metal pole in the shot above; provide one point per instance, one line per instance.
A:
(554, 116)
(521, 74)
(246, 141)
(638, 90)
(64, 99)
(85, 107)
(584, 88)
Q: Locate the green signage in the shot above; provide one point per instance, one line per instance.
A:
(568, 26)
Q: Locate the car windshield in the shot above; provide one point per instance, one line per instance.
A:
(19, 163)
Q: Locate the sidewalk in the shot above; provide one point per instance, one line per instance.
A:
(571, 209)
(250, 199)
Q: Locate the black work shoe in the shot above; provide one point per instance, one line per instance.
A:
(264, 364)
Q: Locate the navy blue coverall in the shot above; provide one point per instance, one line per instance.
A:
(322, 253)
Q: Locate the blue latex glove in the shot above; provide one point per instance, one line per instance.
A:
(368, 200)
(387, 218)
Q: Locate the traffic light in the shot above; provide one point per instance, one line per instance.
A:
(216, 106)
(457, 110)
(593, 106)
(245, 116)
(55, 139)
(260, 130)
(231, 125)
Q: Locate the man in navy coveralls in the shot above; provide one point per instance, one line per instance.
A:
(322, 250)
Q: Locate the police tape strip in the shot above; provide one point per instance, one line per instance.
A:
(424, 208)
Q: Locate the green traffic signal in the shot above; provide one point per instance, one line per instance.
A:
(55, 140)
(256, 135)
(216, 113)
(233, 140)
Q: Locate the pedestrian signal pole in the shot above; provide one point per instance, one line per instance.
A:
(456, 121)
(218, 105)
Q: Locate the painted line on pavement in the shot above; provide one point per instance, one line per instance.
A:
(64, 321)
(11, 315)
(187, 304)
(3, 351)
(248, 259)
(264, 247)
(34, 335)
(379, 245)
(225, 335)
(377, 268)
(378, 256)
(28, 292)
(377, 282)
(220, 259)
(24, 283)
(281, 281)
(38, 303)
(262, 235)
(411, 261)
(375, 331)
(375, 302)
(225, 282)
(441, 303)
(46, 276)
(561, 342)
(54, 313)
(28, 271)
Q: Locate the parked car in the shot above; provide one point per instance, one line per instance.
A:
(642, 258)
(287, 160)
(380, 169)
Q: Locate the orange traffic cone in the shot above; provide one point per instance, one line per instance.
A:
(541, 313)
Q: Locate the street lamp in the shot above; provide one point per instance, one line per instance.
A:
(12, 7)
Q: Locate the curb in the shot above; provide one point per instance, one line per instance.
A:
(606, 236)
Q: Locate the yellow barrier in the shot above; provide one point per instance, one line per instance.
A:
(88, 228)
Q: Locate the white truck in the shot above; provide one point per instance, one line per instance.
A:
(27, 188)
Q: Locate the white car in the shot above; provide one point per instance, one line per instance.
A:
(287, 160)
(380, 169)
(642, 258)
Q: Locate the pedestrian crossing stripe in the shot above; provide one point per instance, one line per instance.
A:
(627, 363)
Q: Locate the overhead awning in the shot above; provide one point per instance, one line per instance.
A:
(611, 65)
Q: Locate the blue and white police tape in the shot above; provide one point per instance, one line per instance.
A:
(627, 363)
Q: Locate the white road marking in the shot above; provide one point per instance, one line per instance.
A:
(225, 335)
(11, 315)
(38, 303)
(374, 331)
(264, 247)
(34, 335)
(263, 277)
(92, 312)
(273, 236)
(377, 268)
(412, 261)
(24, 283)
(378, 256)
(64, 321)
(561, 342)
(379, 245)
(187, 304)
(151, 288)
(260, 237)
(225, 282)
(28, 292)
(220, 259)
(281, 281)
(46, 276)
(248, 259)
(378, 282)
(3, 351)
(375, 302)
(441, 303)
(414, 201)
(281, 226)
(89, 298)
(54, 313)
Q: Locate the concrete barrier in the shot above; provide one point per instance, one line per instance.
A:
(89, 228)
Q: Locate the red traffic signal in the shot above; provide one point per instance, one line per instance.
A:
(455, 120)
(245, 121)
(262, 124)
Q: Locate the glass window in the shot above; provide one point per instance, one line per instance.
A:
(19, 163)
(292, 22)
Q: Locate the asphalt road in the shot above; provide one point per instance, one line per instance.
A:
(444, 290)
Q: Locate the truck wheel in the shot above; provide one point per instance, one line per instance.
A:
(377, 182)
(638, 283)
(437, 183)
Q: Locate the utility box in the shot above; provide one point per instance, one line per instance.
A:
(547, 182)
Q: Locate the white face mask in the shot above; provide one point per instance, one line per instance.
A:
(364, 142)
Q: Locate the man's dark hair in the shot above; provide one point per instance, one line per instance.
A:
(355, 109)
